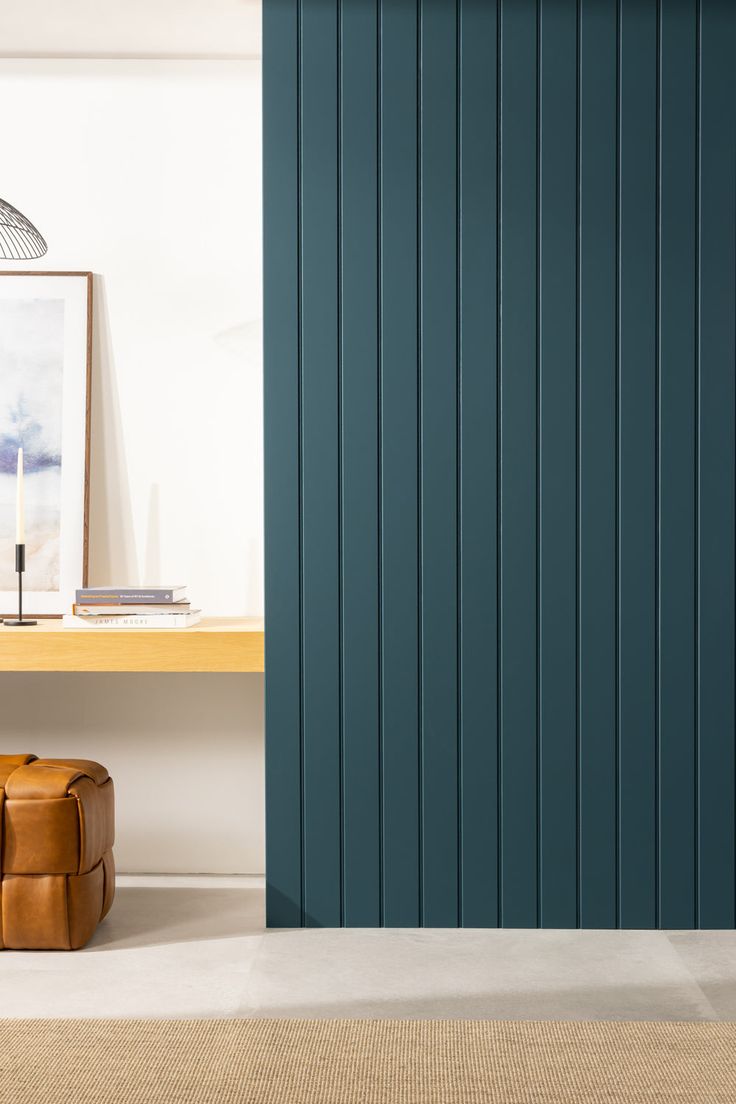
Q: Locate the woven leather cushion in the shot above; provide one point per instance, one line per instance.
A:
(55, 912)
(57, 825)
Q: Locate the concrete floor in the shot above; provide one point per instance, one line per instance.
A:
(186, 947)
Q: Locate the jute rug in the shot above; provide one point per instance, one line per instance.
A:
(365, 1061)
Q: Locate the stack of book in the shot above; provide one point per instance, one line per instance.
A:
(138, 607)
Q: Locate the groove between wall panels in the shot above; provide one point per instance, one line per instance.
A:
(458, 451)
(696, 420)
(538, 462)
(340, 469)
(499, 825)
(657, 476)
(617, 491)
(420, 492)
(300, 376)
(578, 169)
(379, 450)
(499, 451)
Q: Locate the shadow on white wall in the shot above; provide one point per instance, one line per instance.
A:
(112, 545)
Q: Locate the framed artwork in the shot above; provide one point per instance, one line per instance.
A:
(45, 367)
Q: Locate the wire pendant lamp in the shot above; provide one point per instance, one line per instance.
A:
(19, 238)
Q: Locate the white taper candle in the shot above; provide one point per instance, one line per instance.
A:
(20, 528)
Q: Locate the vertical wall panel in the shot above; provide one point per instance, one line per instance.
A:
(478, 462)
(359, 462)
(282, 464)
(636, 370)
(399, 353)
(439, 567)
(597, 463)
(500, 282)
(677, 466)
(518, 463)
(320, 465)
(557, 536)
(716, 351)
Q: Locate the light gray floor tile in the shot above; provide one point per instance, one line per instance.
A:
(186, 991)
(198, 947)
(483, 974)
(161, 953)
(710, 956)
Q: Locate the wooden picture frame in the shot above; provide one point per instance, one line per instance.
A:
(45, 390)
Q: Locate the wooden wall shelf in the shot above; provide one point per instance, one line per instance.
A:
(227, 644)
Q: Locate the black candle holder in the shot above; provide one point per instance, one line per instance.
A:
(20, 566)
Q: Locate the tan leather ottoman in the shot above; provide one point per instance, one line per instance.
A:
(57, 876)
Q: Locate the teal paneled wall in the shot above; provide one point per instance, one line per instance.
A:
(500, 259)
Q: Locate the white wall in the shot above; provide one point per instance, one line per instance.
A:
(186, 753)
(130, 28)
(148, 173)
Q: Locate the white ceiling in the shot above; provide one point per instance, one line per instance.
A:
(130, 28)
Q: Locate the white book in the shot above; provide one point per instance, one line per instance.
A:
(145, 609)
(134, 621)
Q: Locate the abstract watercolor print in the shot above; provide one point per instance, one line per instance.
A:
(31, 379)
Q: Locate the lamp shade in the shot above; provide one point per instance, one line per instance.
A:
(19, 238)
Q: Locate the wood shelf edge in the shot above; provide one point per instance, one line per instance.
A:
(216, 645)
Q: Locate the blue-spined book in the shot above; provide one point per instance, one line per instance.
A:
(126, 596)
